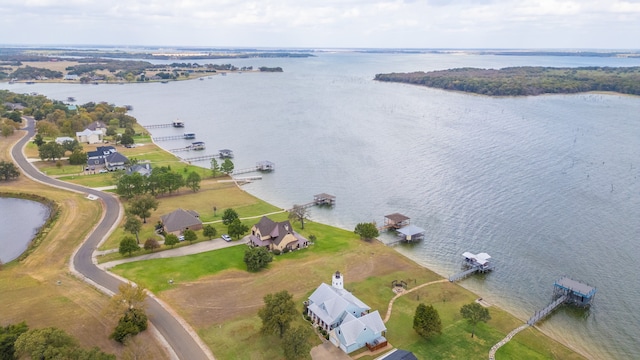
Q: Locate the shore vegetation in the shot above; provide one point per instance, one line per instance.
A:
(525, 80)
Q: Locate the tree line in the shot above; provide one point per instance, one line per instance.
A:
(525, 80)
(59, 119)
(162, 180)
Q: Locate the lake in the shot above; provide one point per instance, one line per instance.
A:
(547, 185)
(14, 239)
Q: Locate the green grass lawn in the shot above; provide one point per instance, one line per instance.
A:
(154, 274)
(242, 340)
(229, 340)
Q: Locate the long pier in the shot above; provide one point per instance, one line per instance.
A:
(174, 137)
(200, 158)
(158, 126)
(565, 291)
(539, 315)
(245, 171)
(463, 274)
(319, 200)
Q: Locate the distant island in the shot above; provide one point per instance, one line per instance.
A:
(111, 66)
(525, 80)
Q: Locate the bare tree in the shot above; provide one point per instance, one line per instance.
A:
(299, 213)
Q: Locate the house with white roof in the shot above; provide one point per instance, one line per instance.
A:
(348, 320)
(89, 136)
(62, 139)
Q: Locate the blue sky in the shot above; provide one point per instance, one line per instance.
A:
(547, 24)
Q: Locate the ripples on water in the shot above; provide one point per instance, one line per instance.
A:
(547, 185)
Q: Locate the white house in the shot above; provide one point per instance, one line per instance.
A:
(347, 319)
(62, 139)
(89, 136)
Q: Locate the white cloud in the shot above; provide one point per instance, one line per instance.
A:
(330, 23)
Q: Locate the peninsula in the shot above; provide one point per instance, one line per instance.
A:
(525, 80)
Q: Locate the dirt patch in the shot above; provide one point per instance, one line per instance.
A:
(235, 293)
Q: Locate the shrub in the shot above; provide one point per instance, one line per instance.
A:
(285, 250)
(131, 323)
(151, 244)
(276, 252)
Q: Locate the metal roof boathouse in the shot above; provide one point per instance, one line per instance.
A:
(576, 293)
(411, 233)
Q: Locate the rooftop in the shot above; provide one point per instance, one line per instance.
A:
(576, 286)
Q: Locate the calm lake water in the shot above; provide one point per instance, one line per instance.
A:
(19, 221)
(547, 185)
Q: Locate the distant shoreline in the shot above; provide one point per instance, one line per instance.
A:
(525, 80)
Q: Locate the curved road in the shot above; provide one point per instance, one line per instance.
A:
(184, 345)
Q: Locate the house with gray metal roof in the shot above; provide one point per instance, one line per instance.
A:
(115, 161)
(142, 169)
(178, 221)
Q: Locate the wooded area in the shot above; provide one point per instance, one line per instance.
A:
(525, 81)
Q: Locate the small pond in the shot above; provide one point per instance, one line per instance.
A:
(19, 221)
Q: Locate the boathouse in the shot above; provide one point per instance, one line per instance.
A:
(265, 166)
(225, 153)
(411, 233)
(479, 261)
(396, 221)
(576, 293)
(472, 264)
(324, 199)
(198, 145)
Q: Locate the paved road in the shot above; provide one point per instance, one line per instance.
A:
(196, 248)
(185, 345)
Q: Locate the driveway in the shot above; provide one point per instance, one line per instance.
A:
(327, 351)
(196, 248)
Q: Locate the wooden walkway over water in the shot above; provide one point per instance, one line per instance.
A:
(539, 315)
(199, 158)
(174, 137)
(319, 200)
(463, 274)
(158, 126)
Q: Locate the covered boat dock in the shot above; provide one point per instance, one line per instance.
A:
(411, 233)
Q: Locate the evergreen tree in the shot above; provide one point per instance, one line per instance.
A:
(426, 321)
